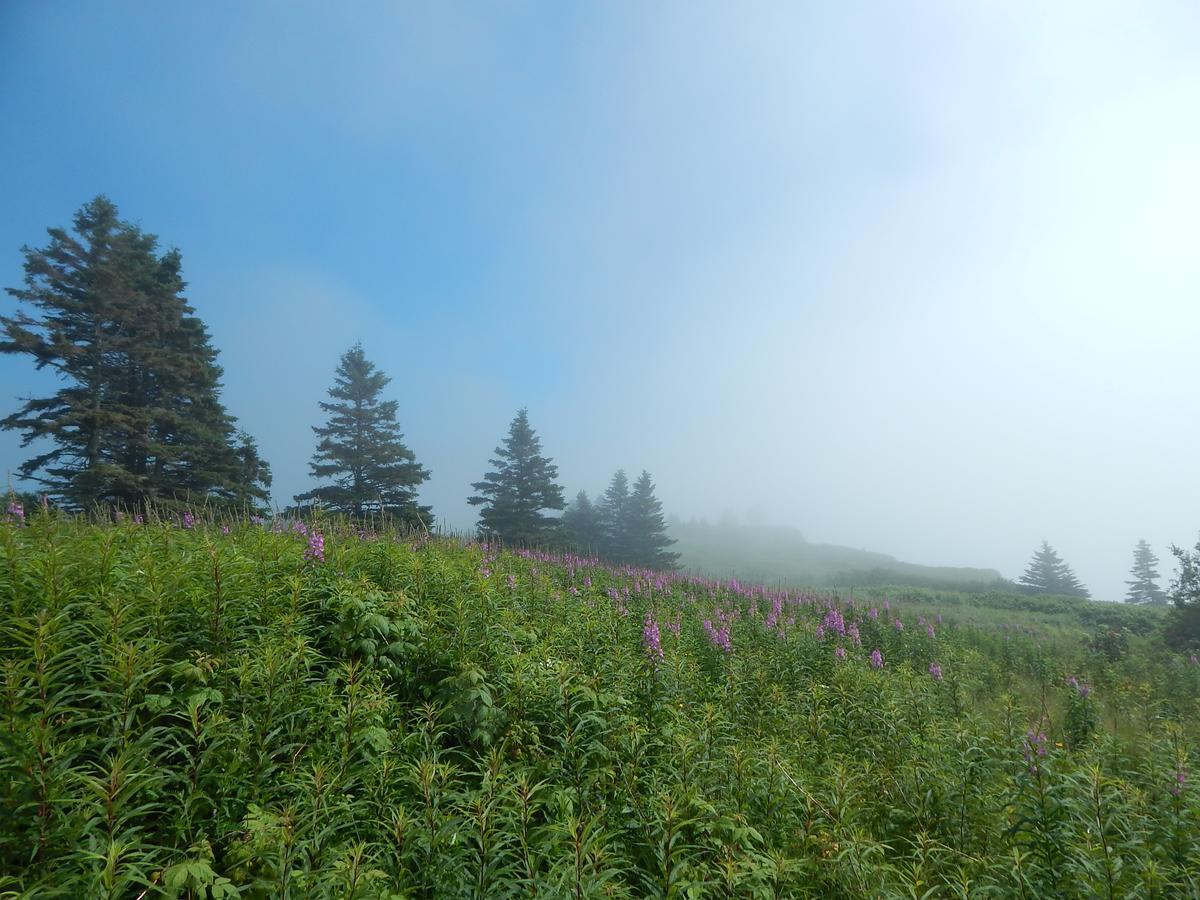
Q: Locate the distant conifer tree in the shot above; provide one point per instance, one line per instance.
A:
(1143, 588)
(1048, 574)
(582, 529)
(1183, 621)
(361, 449)
(614, 511)
(516, 492)
(139, 417)
(647, 529)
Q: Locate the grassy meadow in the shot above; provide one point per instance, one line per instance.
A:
(195, 708)
(780, 554)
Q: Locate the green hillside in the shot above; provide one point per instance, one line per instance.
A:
(192, 709)
(780, 554)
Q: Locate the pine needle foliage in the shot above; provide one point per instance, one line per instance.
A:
(647, 527)
(361, 452)
(518, 490)
(1048, 574)
(139, 417)
(617, 544)
(205, 707)
(1143, 586)
(581, 525)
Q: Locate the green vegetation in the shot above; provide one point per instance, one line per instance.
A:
(139, 416)
(219, 709)
(581, 525)
(646, 529)
(362, 451)
(1183, 628)
(617, 544)
(628, 527)
(1048, 574)
(1143, 587)
(521, 485)
(779, 554)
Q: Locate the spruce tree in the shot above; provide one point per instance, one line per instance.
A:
(581, 525)
(615, 545)
(1183, 621)
(514, 494)
(362, 450)
(1048, 574)
(139, 417)
(1143, 588)
(1185, 586)
(253, 477)
(647, 529)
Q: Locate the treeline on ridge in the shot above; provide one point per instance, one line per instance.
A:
(139, 420)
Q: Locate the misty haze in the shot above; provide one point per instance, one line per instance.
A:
(793, 394)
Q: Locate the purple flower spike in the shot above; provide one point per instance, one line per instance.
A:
(315, 551)
(935, 671)
(1176, 789)
(719, 636)
(675, 624)
(651, 640)
(876, 659)
(1034, 750)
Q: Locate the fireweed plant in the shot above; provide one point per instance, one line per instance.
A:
(193, 707)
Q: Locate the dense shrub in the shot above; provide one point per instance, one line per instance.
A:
(310, 710)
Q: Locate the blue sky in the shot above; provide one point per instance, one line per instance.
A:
(919, 278)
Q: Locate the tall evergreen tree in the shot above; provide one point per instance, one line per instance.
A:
(1048, 574)
(615, 545)
(581, 524)
(514, 494)
(1183, 621)
(139, 416)
(1143, 588)
(1185, 586)
(362, 450)
(647, 529)
(254, 474)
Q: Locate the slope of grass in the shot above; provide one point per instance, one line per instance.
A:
(187, 712)
(779, 554)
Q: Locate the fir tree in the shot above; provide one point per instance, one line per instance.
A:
(582, 529)
(1183, 621)
(254, 474)
(1143, 588)
(1185, 586)
(362, 450)
(615, 545)
(514, 494)
(139, 417)
(1048, 574)
(647, 529)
